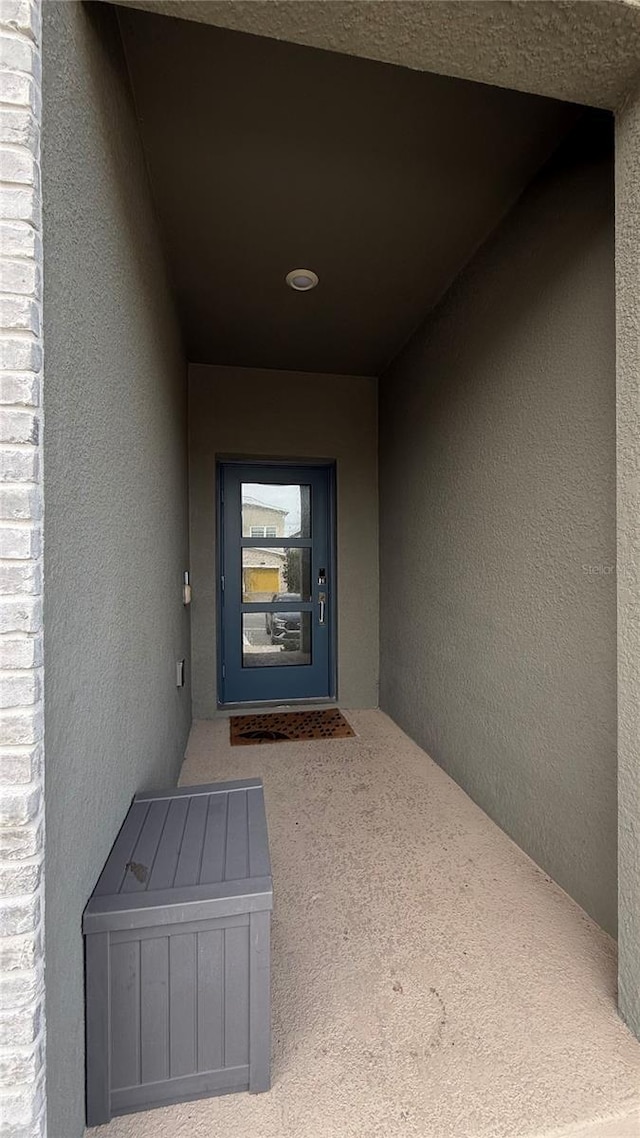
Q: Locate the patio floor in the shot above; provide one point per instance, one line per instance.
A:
(428, 979)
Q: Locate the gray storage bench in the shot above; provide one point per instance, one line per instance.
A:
(177, 952)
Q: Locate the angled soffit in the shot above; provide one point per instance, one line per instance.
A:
(584, 52)
(266, 156)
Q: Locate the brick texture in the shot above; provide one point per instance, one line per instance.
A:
(22, 1082)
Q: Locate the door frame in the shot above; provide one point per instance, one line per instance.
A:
(329, 465)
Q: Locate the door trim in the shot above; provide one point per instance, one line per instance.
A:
(331, 468)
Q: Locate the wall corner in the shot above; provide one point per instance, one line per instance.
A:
(628, 552)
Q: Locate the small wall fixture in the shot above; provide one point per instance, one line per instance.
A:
(302, 280)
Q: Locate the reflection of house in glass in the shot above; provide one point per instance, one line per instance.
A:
(262, 569)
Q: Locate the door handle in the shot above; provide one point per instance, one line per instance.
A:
(322, 600)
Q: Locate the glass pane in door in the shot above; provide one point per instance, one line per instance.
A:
(272, 510)
(273, 574)
(281, 639)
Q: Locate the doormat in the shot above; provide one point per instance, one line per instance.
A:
(289, 726)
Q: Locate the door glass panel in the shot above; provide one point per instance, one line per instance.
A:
(276, 639)
(275, 510)
(276, 575)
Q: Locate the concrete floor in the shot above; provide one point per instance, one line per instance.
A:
(428, 979)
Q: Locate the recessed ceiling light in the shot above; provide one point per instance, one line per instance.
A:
(301, 280)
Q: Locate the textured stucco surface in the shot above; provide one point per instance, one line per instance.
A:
(255, 413)
(429, 981)
(497, 481)
(628, 344)
(583, 52)
(116, 512)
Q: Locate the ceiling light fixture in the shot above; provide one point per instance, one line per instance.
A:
(301, 280)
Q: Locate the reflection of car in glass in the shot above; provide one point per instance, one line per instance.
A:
(284, 627)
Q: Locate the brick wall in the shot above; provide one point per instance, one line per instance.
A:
(21, 710)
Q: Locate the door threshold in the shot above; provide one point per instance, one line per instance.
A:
(224, 711)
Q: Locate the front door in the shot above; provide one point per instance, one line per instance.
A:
(276, 588)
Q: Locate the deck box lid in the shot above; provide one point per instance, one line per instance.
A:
(186, 854)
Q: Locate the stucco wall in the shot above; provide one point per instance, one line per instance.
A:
(256, 413)
(586, 53)
(628, 345)
(497, 477)
(116, 511)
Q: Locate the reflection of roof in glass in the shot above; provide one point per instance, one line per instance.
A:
(246, 501)
(279, 553)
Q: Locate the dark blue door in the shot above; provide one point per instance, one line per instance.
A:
(275, 582)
